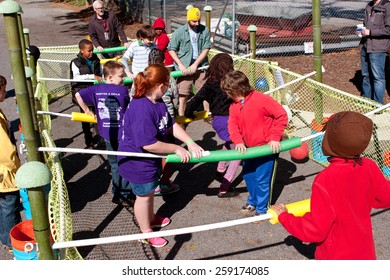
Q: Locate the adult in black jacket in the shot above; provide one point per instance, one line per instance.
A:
(104, 29)
(374, 46)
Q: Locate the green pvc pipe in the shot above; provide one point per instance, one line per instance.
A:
(35, 176)
(22, 42)
(208, 17)
(176, 74)
(31, 61)
(32, 105)
(28, 74)
(21, 92)
(252, 39)
(110, 50)
(318, 99)
(228, 155)
(127, 80)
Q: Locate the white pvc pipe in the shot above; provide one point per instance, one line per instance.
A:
(65, 80)
(246, 55)
(132, 237)
(60, 52)
(52, 60)
(98, 152)
(368, 114)
(54, 114)
(291, 82)
(381, 108)
(234, 59)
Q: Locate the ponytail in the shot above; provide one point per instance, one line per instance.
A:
(151, 77)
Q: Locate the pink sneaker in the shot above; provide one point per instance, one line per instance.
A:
(160, 222)
(157, 242)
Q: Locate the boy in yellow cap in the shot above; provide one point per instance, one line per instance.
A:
(189, 47)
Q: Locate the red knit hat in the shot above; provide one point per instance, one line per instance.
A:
(347, 135)
(159, 23)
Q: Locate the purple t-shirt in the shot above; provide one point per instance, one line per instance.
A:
(144, 123)
(110, 102)
(220, 125)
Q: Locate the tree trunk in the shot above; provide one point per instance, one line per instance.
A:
(131, 10)
(111, 5)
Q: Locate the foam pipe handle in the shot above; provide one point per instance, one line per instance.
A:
(111, 50)
(298, 209)
(173, 74)
(82, 117)
(198, 116)
(104, 61)
(228, 155)
(176, 74)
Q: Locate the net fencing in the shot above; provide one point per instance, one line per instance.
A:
(309, 102)
(283, 27)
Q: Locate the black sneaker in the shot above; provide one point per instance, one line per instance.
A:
(228, 194)
(219, 175)
(123, 201)
(89, 145)
(100, 144)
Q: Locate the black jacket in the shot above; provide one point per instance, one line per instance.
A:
(81, 63)
(214, 95)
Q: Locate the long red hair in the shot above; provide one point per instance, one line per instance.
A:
(151, 77)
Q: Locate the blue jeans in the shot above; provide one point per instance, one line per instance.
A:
(9, 215)
(145, 188)
(119, 185)
(373, 73)
(257, 173)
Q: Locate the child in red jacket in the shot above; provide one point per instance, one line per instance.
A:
(255, 119)
(343, 194)
(162, 41)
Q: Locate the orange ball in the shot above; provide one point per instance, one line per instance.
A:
(386, 158)
(301, 152)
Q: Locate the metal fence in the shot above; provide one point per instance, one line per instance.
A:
(283, 27)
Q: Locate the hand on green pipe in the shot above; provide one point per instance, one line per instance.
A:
(110, 50)
(127, 80)
(228, 155)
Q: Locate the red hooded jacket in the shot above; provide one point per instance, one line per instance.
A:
(162, 41)
(343, 196)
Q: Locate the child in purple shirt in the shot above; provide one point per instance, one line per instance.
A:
(146, 125)
(110, 101)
